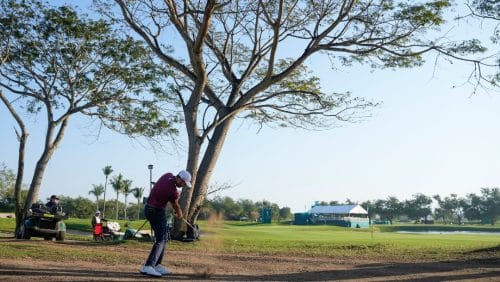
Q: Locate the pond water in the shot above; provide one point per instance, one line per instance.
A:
(450, 232)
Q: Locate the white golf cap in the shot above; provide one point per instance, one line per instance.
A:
(186, 176)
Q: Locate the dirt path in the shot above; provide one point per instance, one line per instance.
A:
(191, 265)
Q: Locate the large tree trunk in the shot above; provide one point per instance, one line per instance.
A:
(41, 165)
(22, 138)
(192, 199)
(207, 166)
(191, 166)
(19, 180)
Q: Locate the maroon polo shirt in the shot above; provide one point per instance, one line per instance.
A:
(163, 191)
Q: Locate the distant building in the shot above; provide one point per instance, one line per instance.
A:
(266, 215)
(354, 216)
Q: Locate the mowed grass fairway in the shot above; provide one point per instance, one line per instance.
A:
(277, 239)
(332, 241)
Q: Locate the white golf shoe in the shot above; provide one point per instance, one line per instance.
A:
(149, 270)
(162, 270)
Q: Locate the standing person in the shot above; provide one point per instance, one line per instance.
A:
(164, 191)
(96, 219)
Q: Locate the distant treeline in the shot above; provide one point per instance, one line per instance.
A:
(483, 207)
(224, 207)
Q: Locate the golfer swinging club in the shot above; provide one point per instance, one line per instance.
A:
(164, 191)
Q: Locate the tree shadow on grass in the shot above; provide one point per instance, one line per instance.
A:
(24, 273)
(244, 224)
(68, 243)
(487, 269)
(487, 250)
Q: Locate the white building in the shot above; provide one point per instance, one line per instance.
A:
(344, 210)
(354, 216)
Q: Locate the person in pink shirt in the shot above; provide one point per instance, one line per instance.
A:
(163, 192)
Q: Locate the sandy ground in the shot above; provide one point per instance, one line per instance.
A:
(190, 265)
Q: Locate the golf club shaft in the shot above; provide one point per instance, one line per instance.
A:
(140, 227)
(189, 224)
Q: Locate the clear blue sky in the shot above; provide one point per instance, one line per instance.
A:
(427, 137)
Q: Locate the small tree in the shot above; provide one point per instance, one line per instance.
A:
(137, 192)
(117, 183)
(126, 190)
(7, 184)
(97, 191)
(107, 170)
(472, 205)
(490, 202)
(285, 213)
(79, 207)
(418, 207)
(450, 207)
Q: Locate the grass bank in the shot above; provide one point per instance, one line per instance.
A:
(332, 241)
(271, 239)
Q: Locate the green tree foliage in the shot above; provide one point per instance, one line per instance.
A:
(228, 207)
(487, 8)
(472, 207)
(107, 170)
(450, 208)
(249, 209)
(60, 64)
(138, 192)
(453, 208)
(242, 209)
(418, 207)
(115, 208)
(118, 184)
(490, 204)
(285, 214)
(484, 207)
(97, 191)
(371, 208)
(126, 190)
(393, 207)
(7, 184)
(79, 207)
(489, 11)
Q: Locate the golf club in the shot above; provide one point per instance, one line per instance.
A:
(189, 224)
(140, 228)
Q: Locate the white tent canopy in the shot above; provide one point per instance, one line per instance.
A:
(340, 209)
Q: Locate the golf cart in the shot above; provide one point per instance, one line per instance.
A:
(43, 222)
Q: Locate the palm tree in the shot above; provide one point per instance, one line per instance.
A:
(126, 189)
(117, 183)
(97, 192)
(137, 193)
(107, 170)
